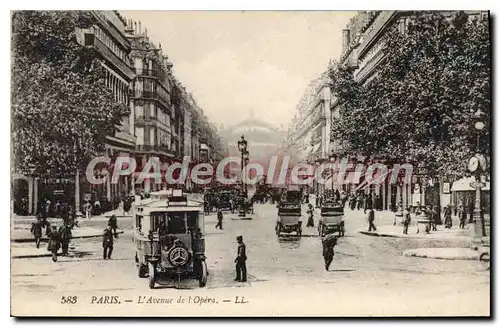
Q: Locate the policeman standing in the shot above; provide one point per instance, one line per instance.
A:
(107, 243)
(328, 246)
(219, 219)
(241, 267)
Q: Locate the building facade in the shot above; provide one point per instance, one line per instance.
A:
(308, 138)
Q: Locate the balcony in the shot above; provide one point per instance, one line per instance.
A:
(92, 41)
(150, 95)
(163, 149)
(373, 33)
(150, 73)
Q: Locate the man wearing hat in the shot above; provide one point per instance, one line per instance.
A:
(329, 243)
(107, 243)
(241, 267)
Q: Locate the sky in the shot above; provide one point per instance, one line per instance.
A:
(240, 62)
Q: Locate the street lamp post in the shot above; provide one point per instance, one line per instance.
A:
(242, 147)
(477, 165)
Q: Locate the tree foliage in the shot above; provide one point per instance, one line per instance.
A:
(418, 107)
(61, 106)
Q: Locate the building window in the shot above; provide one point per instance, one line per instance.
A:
(152, 134)
(139, 133)
(152, 111)
(146, 135)
(139, 112)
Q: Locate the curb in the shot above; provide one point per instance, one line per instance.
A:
(470, 256)
(456, 237)
(45, 239)
(31, 256)
(380, 234)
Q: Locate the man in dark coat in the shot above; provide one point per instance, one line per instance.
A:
(447, 217)
(36, 229)
(54, 242)
(219, 219)
(371, 219)
(112, 222)
(328, 246)
(65, 234)
(310, 219)
(369, 202)
(107, 243)
(241, 258)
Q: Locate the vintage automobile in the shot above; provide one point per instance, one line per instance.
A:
(224, 200)
(168, 239)
(290, 214)
(332, 218)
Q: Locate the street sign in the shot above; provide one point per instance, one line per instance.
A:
(477, 184)
(420, 171)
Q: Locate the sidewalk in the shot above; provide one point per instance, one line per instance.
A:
(384, 222)
(22, 233)
(29, 250)
(444, 253)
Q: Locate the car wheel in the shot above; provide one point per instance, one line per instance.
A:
(203, 274)
(142, 270)
(152, 273)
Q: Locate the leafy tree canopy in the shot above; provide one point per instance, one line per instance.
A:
(418, 107)
(61, 107)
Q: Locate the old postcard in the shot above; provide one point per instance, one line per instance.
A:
(250, 163)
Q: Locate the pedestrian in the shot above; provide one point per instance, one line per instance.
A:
(310, 220)
(447, 217)
(399, 213)
(434, 217)
(369, 202)
(65, 235)
(112, 222)
(54, 242)
(371, 219)
(107, 243)
(36, 230)
(127, 206)
(241, 258)
(470, 209)
(406, 220)
(121, 207)
(219, 219)
(359, 202)
(328, 246)
(88, 209)
(418, 209)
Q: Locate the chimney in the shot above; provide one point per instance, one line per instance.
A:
(346, 39)
(140, 30)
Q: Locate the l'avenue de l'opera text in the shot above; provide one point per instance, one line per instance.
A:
(198, 300)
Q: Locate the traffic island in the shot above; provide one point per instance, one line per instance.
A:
(443, 253)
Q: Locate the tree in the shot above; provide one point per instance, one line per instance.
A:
(419, 105)
(61, 107)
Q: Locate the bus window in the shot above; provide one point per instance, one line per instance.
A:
(177, 223)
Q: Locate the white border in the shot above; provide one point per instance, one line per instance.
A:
(188, 5)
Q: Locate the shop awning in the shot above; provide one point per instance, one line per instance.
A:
(463, 184)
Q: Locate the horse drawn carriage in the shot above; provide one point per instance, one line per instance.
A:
(290, 214)
(332, 218)
(169, 241)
